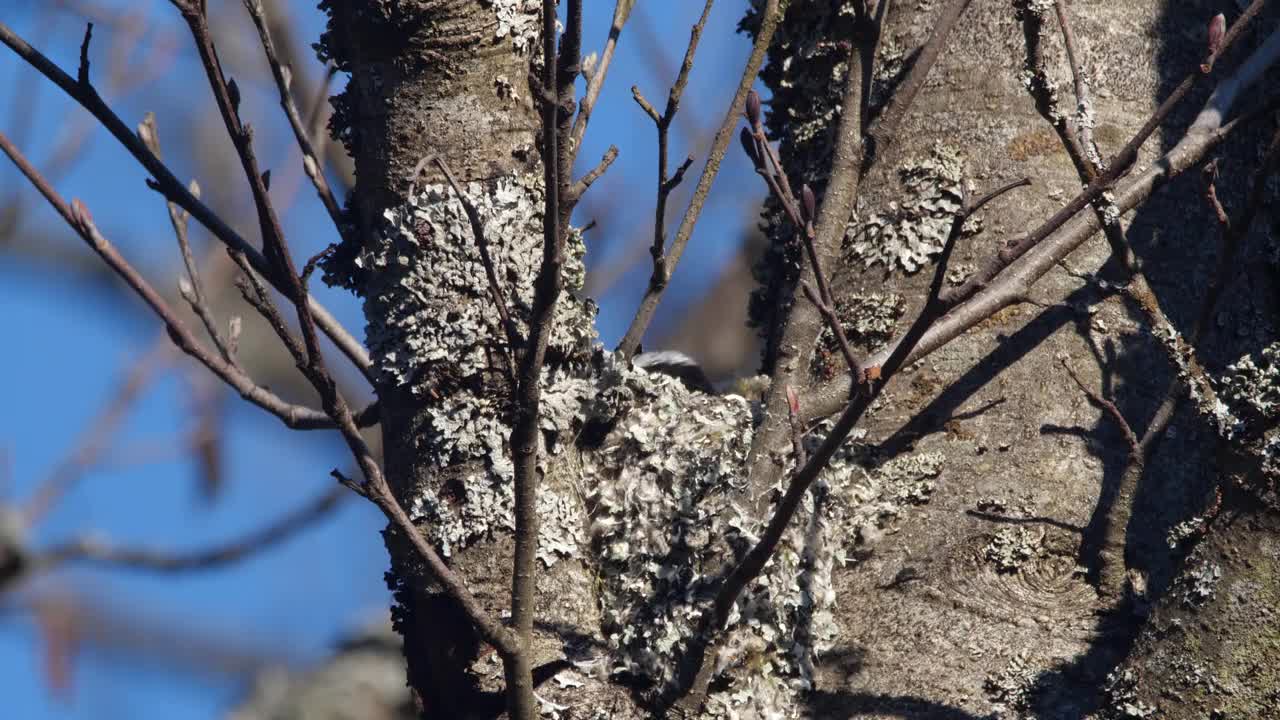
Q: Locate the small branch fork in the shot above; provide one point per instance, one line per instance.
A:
(753, 563)
(164, 182)
(802, 213)
(77, 216)
(595, 81)
(770, 18)
(283, 75)
(1117, 167)
(667, 184)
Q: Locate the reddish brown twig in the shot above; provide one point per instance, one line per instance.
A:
(77, 216)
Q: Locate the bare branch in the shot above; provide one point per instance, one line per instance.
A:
(662, 122)
(884, 128)
(833, 324)
(1205, 134)
(578, 189)
(77, 216)
(311, 161)
(168, 185)
(597, 75)
(770, 16)
(754, 561)
(1117, 167)
(98, 552)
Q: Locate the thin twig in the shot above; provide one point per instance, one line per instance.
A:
(621, 13)
(797, 427)
(1135, 449)
(193, 289)
(770, 17)
(558, 74)
(94, 551)
(1117, 167)
(168, 185)
(77, 217)
(833, 324)
(579, 188)
(753, 563)
(311, 162)
(662, 122)
(1078, 144)
(1084, 103)
(1205, 134)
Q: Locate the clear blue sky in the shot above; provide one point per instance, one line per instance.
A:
(68, 342)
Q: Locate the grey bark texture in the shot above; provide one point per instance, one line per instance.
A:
(942, 567)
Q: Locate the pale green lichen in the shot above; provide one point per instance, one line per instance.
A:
(914, 227)
(1013, 687)
(1012, 547)
(1251, 385)
(428, 304)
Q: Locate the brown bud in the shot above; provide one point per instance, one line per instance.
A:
(749, 144)
(233, 91)
(1217, 29)
(753, 109)
(810, 203)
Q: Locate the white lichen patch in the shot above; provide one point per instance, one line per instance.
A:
(429, 308)
(873, 316)
(914, 227)
(1012, 547)
(1251, 385)
(1121, 692)
(519, 20)
(434, 329)
(1013, 687)
(1198, 584)
(665, 514)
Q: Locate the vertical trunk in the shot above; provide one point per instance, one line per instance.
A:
(447, 80)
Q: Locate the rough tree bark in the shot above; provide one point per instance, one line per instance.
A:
(941, 567)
